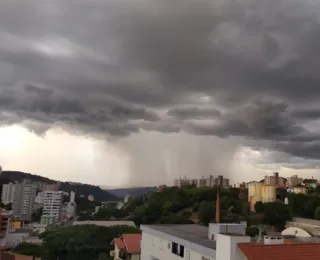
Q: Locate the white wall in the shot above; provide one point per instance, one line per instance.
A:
(227, 248)
(158, 247)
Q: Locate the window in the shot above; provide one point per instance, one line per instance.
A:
(177, 249)
(174, 248)
(205, 258)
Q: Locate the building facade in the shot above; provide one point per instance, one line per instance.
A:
(52, 204)
(258, 191)
(7, 194)
(274, 180)
(294, 180)
(192, 242)
(209, 181)
(24, 199)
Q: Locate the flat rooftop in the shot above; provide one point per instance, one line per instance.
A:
(193, 233)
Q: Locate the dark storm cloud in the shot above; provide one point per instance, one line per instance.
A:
(223, 68)
(193, 112)
(306, 114)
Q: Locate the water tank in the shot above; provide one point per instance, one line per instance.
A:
(268, 193)
(254, 194)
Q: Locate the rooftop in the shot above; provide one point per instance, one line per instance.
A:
(132, 242)
(105, 223)
(295, 251)
(129, 241)
(193, 233)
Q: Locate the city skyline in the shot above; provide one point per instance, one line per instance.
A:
(124, 93)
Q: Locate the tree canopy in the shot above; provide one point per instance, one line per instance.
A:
(80, 242)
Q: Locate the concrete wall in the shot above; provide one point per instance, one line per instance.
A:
(227, 248)
(161, 248)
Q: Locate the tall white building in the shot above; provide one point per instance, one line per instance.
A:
(52, 204)
(70, 207)
(24, 199)
(7, 194)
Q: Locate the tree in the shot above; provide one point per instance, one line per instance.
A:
(138, 215)
(207, 212)
(317, 213)
(80, 242)
(175, 219)
(259, 207)
(28, 249)
(276, 214)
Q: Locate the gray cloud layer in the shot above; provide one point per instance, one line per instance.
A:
(221, 68)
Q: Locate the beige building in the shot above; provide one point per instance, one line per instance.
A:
(258, 191)
(254, 194)
(126, 247)
(268, 193)
(300, 189)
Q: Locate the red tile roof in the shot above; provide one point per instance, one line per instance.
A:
(132, 242)
(280, 252)
(119, 243)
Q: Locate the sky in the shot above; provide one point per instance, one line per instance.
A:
(139, 92)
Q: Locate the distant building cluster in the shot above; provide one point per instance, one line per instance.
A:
(265, 190)
(27, 197)
(209, 181)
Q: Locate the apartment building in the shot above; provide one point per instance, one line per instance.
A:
(209, 181)
(274, 180)
(7, 194)
(182, 181)
(52, 204)
(24, 199)
(219, 242)
(294, 180)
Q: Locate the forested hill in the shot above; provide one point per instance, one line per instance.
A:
(135, 191)
(80, 189)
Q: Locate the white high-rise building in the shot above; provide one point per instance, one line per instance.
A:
(52, 204)
(72, 196)
(7, 194)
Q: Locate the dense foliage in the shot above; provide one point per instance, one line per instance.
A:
(186, 205)
(28, 249)
(136, 191)
(86, 242)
